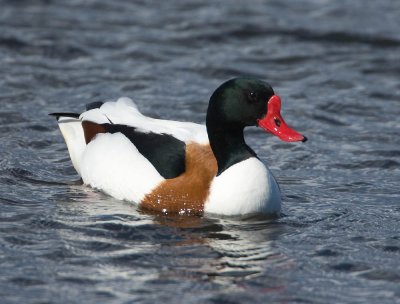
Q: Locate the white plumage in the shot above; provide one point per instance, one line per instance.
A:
(246, 187)
(113, 164)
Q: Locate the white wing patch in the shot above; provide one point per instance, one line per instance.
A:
(113, 164)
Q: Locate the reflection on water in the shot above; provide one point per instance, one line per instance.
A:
(115, 236)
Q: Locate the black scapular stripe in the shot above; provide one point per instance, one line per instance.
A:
(165, 152)
(94, 105)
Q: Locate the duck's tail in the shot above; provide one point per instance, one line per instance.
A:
(71, 128)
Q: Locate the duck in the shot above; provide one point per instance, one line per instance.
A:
(175, 167)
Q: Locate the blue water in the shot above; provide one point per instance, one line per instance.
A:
(336, 66)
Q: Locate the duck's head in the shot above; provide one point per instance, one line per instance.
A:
(242, 102)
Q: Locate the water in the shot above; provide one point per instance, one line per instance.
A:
(335, 65)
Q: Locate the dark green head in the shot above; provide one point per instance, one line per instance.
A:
(236, 104)
(239, 102)
(242, 102)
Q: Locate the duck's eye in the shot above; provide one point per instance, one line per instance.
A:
(252, 96)
(277, 122)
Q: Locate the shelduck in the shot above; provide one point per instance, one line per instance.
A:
(181, 167)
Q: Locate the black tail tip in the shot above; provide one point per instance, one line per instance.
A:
(56, 115)
(64, 114)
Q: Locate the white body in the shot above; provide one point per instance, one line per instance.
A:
(111, 163)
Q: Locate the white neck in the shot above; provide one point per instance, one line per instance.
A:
(244, 188)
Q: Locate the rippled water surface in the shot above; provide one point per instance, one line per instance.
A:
(336, 66)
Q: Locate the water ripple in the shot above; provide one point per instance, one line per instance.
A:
(336, 68)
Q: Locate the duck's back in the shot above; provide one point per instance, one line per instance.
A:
(117, 149)
(125, 112)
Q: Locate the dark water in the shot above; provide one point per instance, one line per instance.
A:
(336, 65)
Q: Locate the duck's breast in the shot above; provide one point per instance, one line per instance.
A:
(244, 188)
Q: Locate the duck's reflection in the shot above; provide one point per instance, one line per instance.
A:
(208, 248)
(242, 247)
